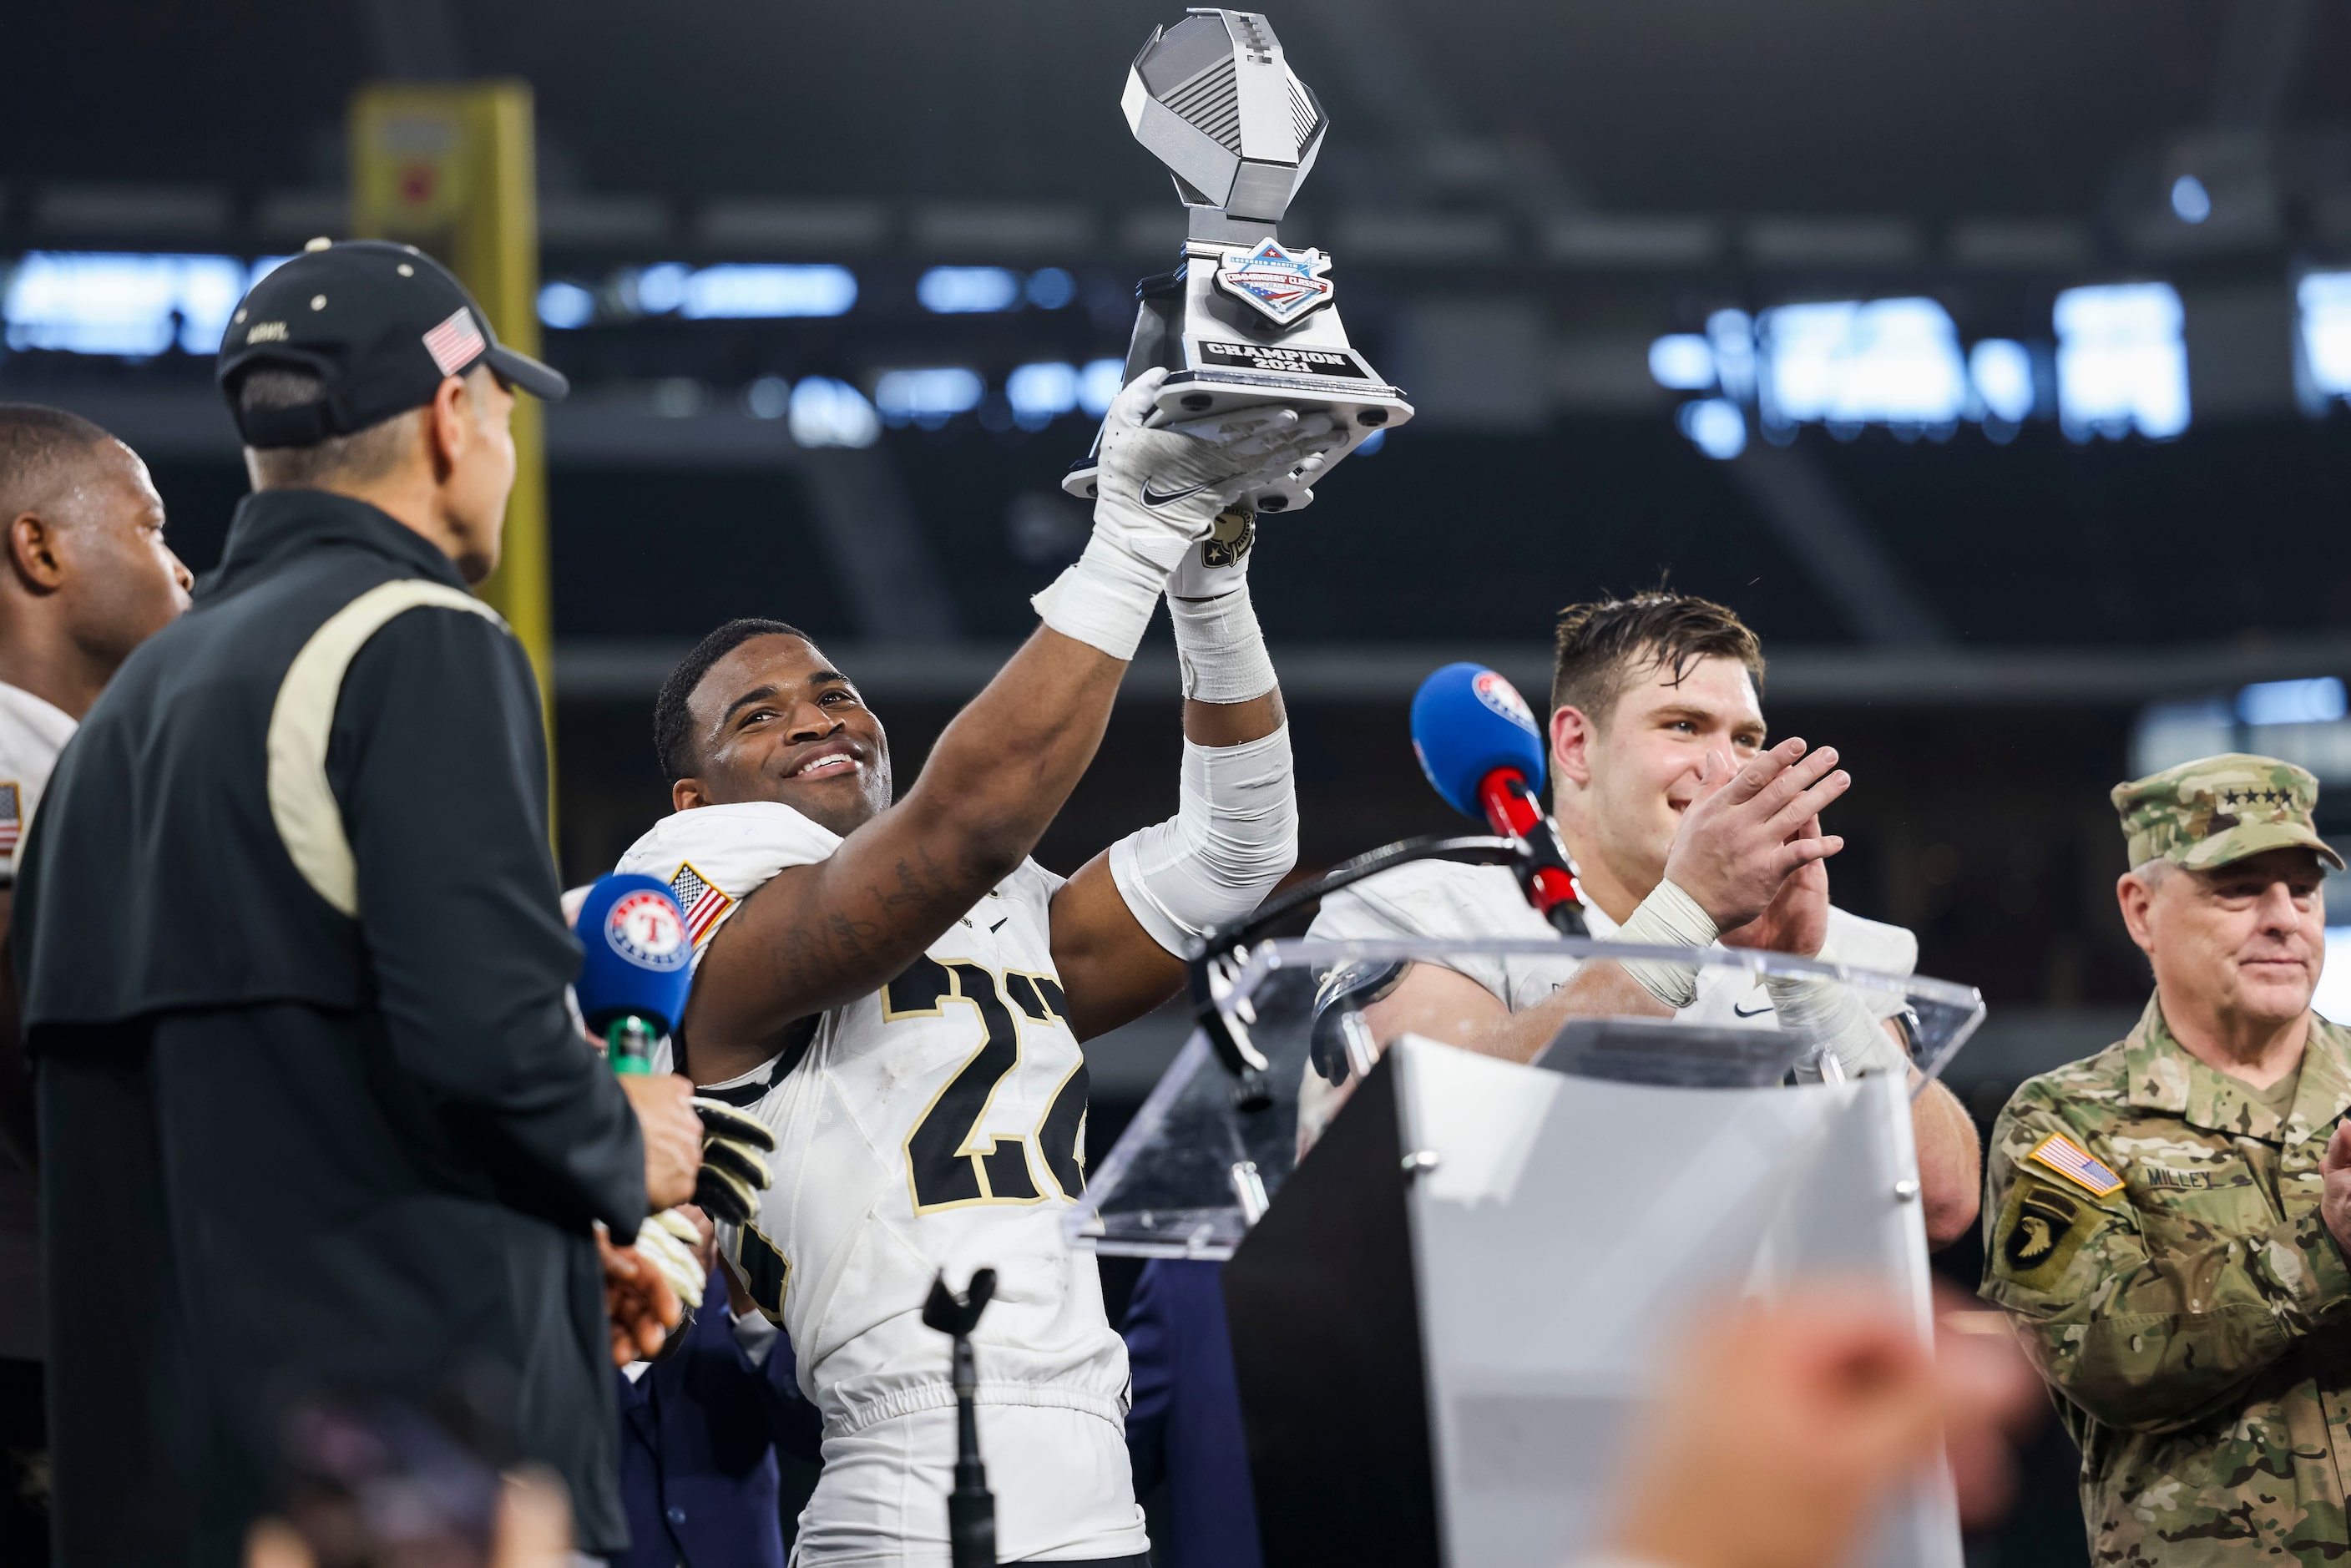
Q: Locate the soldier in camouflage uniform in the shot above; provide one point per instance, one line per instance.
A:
(2167, 1221)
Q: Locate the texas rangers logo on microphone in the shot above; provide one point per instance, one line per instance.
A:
(1503, 698)
(644, 929)
(1283, 284)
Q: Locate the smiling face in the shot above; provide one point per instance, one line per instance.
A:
(773, 721)
(1623, 781)
(2241, 943)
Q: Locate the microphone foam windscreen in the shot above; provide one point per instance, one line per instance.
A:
(638, 959)
(1466, 721)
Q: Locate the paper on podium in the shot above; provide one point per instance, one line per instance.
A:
(1191, 1173)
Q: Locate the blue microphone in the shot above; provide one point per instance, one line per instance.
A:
(1481, 747)
(637, 969)
(1468, 724)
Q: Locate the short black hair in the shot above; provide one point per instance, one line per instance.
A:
(673, 727)
(1601, 644)
(37, 442)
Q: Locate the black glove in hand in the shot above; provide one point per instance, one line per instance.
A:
(734, 1174)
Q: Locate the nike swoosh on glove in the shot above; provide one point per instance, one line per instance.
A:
(734, 1174)
(1157, 492)
(1168, 485)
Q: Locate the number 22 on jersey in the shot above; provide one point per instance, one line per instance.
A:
(950, 1162)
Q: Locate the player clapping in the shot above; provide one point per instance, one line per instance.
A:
(899, 991)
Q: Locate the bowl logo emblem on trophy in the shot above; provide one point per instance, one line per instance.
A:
(1283, 284)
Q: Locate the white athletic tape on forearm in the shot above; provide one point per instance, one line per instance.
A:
(1104, 601)
(1827, 1013)
(1221, 649)
(1669, 917)
(1235, 835)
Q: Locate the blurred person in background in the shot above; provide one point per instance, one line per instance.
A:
(315, 1121)
(89, 579)
(2167, 1220)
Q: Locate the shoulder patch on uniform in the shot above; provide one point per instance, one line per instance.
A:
(12, 817)
(2062, 1155)
(2040, 1230)
(701, 901)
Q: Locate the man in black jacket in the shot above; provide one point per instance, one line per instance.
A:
(315, 1123)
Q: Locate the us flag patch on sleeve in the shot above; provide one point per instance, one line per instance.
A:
(703, 903)
(2060, 1154)
(12, 818)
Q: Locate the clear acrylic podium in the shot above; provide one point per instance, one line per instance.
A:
(1444, 1317)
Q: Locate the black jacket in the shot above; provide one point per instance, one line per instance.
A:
(457, 1136)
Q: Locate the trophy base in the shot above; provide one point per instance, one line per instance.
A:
(1357, 407)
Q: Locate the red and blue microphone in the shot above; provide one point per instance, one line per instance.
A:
(1481, 750)
(637, 968)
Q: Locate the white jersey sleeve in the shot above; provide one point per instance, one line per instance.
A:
(1441, 900)
(714, 857)
(32, 733)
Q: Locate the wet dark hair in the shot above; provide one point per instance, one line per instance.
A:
(673, 726)
(1601, 645)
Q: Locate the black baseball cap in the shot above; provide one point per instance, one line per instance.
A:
(382, 324)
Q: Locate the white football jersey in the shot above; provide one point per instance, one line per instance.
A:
(1442, 901)
(936, 1126)
(32, 733)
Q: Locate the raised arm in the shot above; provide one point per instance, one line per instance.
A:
(1124, 925)
(816, 936)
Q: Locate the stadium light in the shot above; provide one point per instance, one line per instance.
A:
(2121, 362)
(770, 397)
(928, 397)
(2190, 201)
(741, 291)
(1039, 393)
(1052, 287)
(1098, 385)
(965, 290)
(2000, 370)
(2317, 701)
(564, 306)
(1682, 361)
(2323, 343)
(128, 305)
(828, 413)
(1715, 425)
(1881, 361)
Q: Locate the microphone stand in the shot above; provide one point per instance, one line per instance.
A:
(971, 1506)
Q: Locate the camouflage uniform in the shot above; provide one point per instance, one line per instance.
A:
(2155, 1229)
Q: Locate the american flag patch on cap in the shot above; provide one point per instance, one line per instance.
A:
(704, 903)
(455, 343)
(2061, 1154)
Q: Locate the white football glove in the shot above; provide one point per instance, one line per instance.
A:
(1158, 491)
(667, 1241)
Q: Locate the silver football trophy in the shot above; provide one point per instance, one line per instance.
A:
(1245, 320)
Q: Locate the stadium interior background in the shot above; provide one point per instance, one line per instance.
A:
(1987, 357)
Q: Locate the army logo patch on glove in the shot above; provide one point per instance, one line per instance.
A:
(2040, 1232)
(1235, 531)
